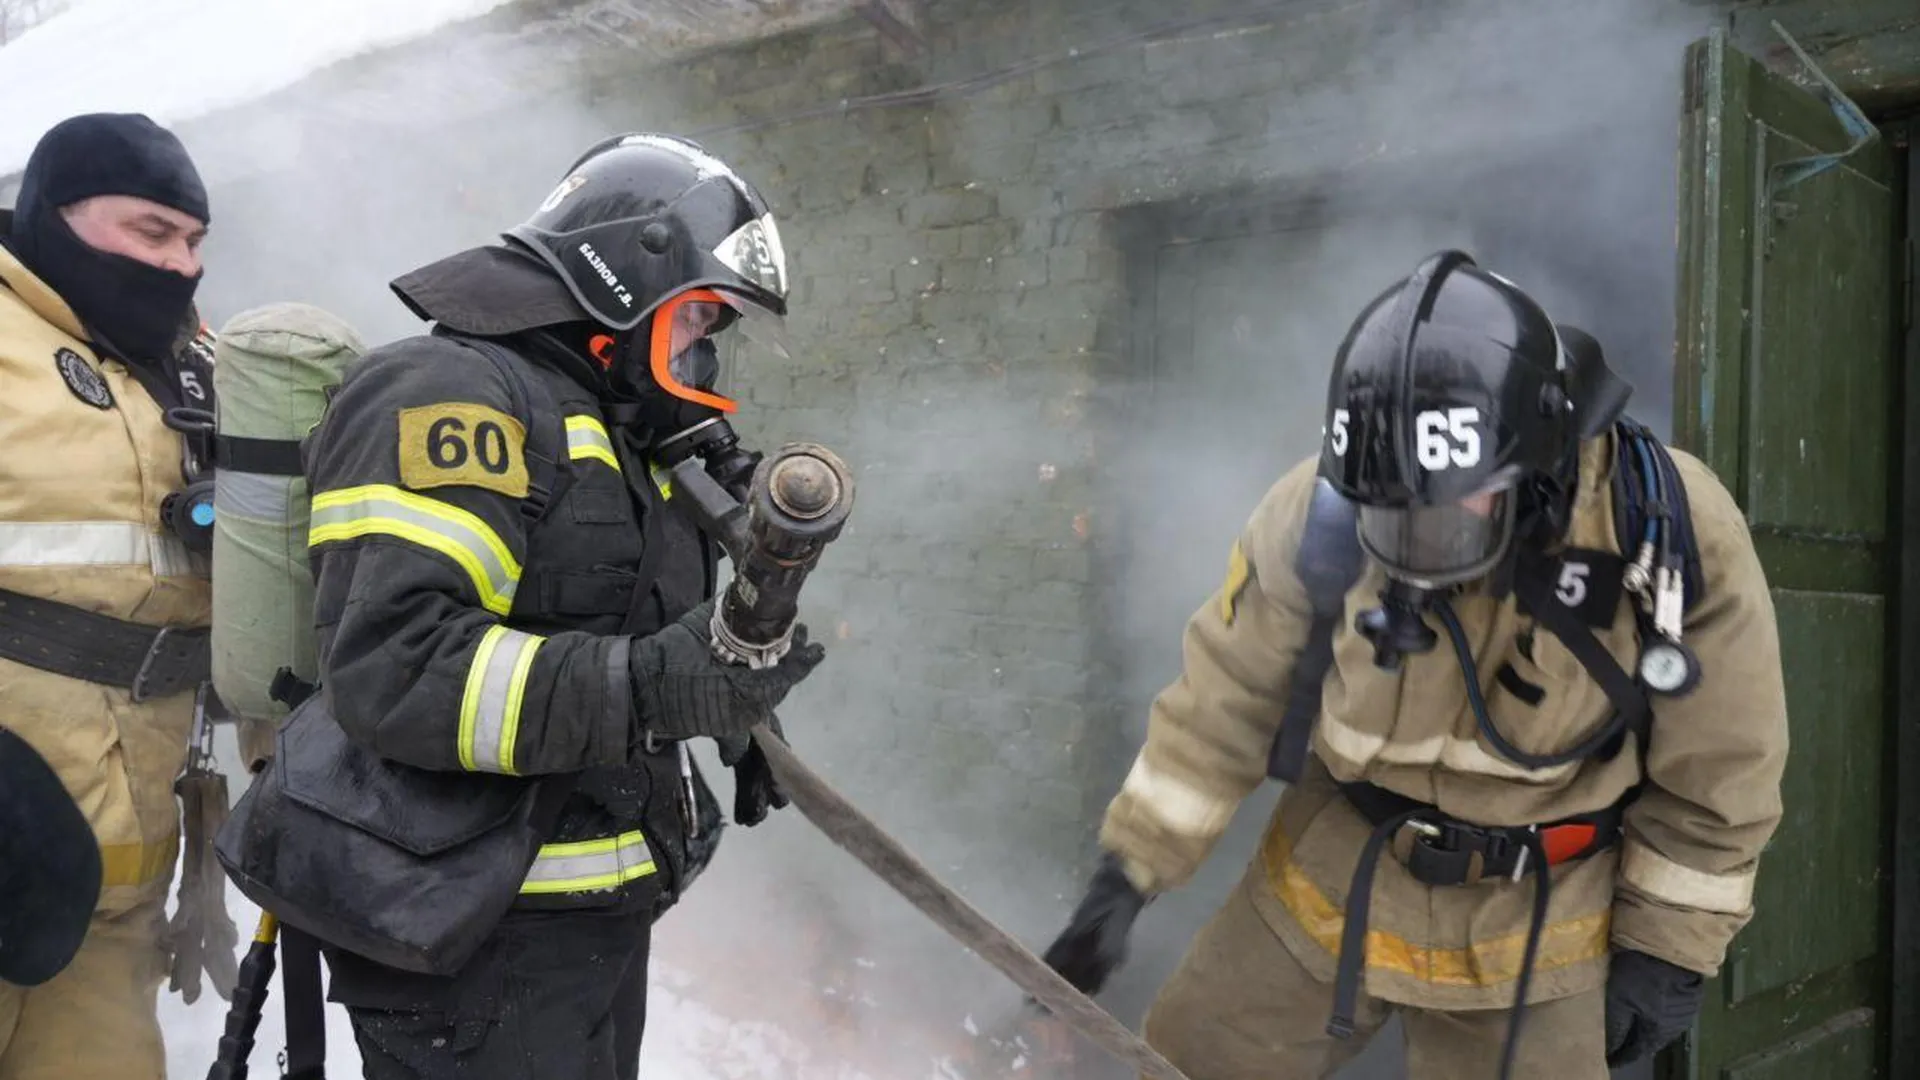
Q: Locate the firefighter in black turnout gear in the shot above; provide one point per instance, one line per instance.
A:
(503, 588)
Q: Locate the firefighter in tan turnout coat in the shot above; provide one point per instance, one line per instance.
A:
(103, 605)
(1521, 663)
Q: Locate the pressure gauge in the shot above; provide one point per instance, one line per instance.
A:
(1668, 667)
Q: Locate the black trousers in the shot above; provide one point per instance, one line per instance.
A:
(549, 995)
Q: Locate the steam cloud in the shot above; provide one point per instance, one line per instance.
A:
(1540, 137)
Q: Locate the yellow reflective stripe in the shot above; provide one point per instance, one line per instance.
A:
(137, 864)
(587, 439)
(385, 510)
(589, 865)
(495, 692)
(663, 480)
(1239, 572)
(1682, 886)
(1484, 963)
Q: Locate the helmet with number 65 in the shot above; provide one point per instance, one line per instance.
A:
(1449, 424)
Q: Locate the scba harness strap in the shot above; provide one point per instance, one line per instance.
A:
(1653, 524)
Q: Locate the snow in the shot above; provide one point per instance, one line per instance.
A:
(686, 1039)
(177, 60)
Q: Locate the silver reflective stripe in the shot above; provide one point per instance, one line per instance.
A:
(92, 543)
(261, 496)
(496, 689)
(170, 558)
(589, 865)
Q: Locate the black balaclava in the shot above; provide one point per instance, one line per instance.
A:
(133, 310)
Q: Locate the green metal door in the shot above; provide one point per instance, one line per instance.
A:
(1787, 384)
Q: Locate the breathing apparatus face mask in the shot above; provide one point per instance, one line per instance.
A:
(1433, 547)
(1427, 551)
(679, 365)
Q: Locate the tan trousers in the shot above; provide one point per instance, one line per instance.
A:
(1239, 1007)
(97, 1020)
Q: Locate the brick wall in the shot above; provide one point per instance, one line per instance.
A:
(968, 272)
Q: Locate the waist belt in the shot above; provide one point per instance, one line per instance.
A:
(146, 661)
(1442, 851)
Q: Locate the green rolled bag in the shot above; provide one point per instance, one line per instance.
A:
(275, 368)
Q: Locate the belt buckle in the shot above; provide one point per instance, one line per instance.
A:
(1426, 829)
(138, 690)
(1520, 863)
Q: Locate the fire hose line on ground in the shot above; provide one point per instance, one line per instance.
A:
(858, 835)
(795, 505)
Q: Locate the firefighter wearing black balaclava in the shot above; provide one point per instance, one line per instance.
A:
(504, 587)
(103, 582)
(1543, 756)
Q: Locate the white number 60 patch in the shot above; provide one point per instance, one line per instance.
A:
(1447, 438)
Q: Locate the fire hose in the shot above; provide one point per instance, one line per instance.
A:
(797, 503)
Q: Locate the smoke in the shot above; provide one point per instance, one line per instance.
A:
(1050, 474)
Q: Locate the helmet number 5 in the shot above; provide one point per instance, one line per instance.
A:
(1446, 439)
(1337, 438)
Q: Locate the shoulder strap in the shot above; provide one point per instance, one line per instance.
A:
(1632, 711)
(548, 474)
(1327, 563)
(306, 1009)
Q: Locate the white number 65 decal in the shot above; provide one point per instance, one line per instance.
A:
(1447, 438)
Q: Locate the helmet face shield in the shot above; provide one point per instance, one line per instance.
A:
(683, 357)
(1440, 545)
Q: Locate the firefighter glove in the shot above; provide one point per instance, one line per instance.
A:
(1094, 943)
(682, 690)
(1650, 1003)
(755, 791)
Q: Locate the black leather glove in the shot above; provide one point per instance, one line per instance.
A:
(1650, 1003)
(754, 789)
(681, 690)
(1094, 943)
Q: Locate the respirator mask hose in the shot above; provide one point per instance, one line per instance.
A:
(1398, 627)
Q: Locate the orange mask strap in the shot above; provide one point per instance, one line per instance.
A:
(662, 354)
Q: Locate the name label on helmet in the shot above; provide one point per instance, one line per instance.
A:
(607, 275)
(458, 443)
